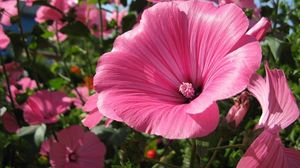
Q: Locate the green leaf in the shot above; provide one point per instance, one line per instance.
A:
(75, 29)
(128, 22)
(39, 134)
(57, 83)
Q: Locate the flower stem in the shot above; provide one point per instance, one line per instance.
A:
(193, 153)
(101, 23)
(161, 163)
(214, 154)
(227, 146)
(8, 84)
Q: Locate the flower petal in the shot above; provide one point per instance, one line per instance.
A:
(268, 151)
(277, 101)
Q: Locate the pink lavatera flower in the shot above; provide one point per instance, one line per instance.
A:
(45, 13)
(279, 110)
(94, 116)
(55, 27)
(14, 71)
(26, 83)
(76, 148)
(9, 122)
(45, 106)
(175, 43)
(268, 151)
(89, 15)
(29, 2)
(8, 9)
(4, 39)
(82, 94)
(240, 108)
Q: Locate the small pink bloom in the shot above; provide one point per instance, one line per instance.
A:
(14, 71)
(82, 94)
(29, 2)
(240, 108)
(8, 10)
(45, 13)
(118, 16)
(177, 42)
(94, 116)
(4, 40)
(44, 107)
(45, 147)
(10, 123)
(260, 28)
(27, 83)
(55, 27)
(89, 15)
(77, 149)
(279, 110)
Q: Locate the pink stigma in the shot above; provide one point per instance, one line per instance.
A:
(187, 90)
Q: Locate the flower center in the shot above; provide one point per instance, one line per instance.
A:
(73, 157)
(187, 90)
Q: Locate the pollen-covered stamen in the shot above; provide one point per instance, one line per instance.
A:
(187, 90)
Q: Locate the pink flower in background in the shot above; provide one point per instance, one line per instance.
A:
(29, 2)
(8, 10)
(240, 3)
(82, 94)
(94, 116)
(45, 147)
(55, 27)
(279, 110)
(89, 15)
(240, 108)
(27, 83)
(118, 16)
(14, 71)
(4, 40)
(9, 122)
(76, 148)
(176, 43)
(45, 106)
(45, 13)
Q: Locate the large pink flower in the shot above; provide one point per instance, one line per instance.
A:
(279, 110)
(8, 10)
(45, 106)
(75, 148)
(165, 76)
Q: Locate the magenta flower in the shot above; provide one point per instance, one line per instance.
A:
(75, 148)
(14, 71)
(4, 40)
(45, 106)
(45, 13)
(9, 122)
(27, 83)
(82, 94)
(238, 111)
(165, 76)
(8, 10)
(90, 16)
(94, 116)
(279, 110)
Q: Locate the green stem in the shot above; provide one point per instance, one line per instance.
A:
(227, 146)
(161, 163)
(214, 154)
(193, 154)
(101, 24)
(8, 84)
(20, 25)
